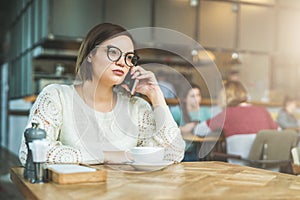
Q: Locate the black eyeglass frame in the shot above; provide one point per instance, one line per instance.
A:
(134, 59)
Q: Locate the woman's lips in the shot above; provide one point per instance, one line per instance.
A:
(118, 72)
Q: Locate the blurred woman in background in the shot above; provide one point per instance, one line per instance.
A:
(188, 115)
(190, 110)
(239, 121)
(239, 116)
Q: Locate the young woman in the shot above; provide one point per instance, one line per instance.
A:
(190, 111)
(93, 115)
(188, 115)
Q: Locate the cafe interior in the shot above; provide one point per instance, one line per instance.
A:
(204, 42)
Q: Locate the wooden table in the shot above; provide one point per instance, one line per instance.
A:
(194, 138)
(194, 180)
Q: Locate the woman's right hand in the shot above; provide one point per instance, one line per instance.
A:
(148, 85)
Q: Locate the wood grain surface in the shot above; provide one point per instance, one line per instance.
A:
(187, 180)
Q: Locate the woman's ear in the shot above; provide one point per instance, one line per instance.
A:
(89, 58)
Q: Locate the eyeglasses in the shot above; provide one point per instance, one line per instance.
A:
(114, 54)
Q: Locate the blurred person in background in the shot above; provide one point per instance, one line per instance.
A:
(188, 115)
(286, 118)
(238, 116)
(166, 87)
(234, 75)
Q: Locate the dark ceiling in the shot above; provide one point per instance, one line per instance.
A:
(5, 22)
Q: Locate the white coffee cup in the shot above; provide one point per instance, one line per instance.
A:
(147, 154)
(117, 156)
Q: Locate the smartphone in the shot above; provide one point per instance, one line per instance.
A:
(131, 83)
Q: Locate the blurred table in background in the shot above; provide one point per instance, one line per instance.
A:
(207, 144)
(194, 138)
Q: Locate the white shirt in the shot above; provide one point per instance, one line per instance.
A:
(77, 133)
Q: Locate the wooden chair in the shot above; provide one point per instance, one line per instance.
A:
(271, 149)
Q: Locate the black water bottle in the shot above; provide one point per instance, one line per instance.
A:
(31, 134)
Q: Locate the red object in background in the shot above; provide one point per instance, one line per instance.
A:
(168, 59)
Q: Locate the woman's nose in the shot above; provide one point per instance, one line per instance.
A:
(121, 62)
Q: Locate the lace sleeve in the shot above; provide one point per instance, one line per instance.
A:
(158, 128)
(47, 111)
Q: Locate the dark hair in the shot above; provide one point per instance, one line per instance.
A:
(95, 36)
(185, 113)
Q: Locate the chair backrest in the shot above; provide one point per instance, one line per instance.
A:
(296, 160)
(273, 145)
(296, 155)
(239, 144)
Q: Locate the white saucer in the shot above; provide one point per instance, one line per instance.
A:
(151, 166)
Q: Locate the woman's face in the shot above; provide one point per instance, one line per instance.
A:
(193, 97)
(291, 106)
(106, 71)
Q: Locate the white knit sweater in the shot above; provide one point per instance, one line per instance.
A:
(77, 133)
